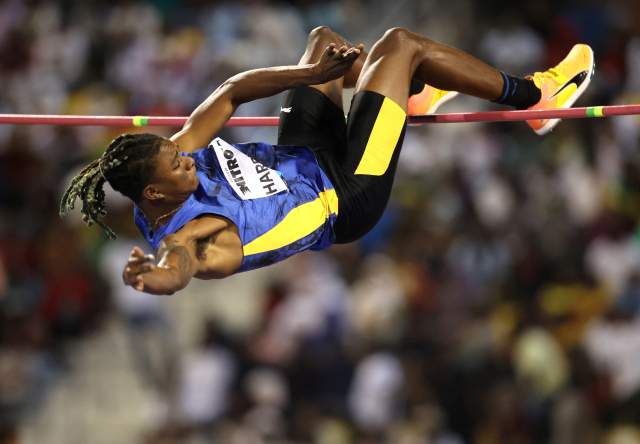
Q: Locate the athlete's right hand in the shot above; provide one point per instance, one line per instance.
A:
(336, 62)
(136, 267)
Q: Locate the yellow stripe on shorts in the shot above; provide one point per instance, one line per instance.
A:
(383, 139)
(300, 222)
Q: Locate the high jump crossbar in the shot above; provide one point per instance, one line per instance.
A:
(487, 116)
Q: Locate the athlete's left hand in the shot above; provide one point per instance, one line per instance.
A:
(133, 273)
(336, 62)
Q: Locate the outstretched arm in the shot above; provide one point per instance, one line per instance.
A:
(216, 110)
(174, 270)
(208, 247)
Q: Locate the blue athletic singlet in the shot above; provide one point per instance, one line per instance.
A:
(272, 227)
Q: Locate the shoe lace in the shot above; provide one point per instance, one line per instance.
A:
(551, 74)
(556, 71)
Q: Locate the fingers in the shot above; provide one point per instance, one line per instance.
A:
(332, 50)
(139, 284)
(134, 275)
(140, 260)
(349, 52)
(355, 50)
(139, 269)
(335, 62)
(344, 51)
(138, 256)
(136, 267)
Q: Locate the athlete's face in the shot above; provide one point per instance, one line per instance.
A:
(175, 174)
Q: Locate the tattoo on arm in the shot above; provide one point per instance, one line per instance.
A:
(169, 243)
(185, 263)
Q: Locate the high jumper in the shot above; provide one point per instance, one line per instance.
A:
(211, 209)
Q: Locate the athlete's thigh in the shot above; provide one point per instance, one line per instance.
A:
(390, 66)
(375, 132)
(378, 113)
(309, 118)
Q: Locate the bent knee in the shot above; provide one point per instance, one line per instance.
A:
(407, 40)
(323, 33)
(397, 34)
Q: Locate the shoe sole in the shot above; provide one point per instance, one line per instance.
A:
(448, 96)
(553, 122)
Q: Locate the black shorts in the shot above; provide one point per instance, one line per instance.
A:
(359, 157)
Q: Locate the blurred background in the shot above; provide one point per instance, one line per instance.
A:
(496, 302)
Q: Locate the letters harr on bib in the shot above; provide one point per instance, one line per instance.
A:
(248, 178)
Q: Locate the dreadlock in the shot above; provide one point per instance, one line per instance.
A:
(135, 157)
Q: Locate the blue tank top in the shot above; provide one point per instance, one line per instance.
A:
(274, 227)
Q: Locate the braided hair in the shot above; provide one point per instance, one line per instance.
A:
(129, 164)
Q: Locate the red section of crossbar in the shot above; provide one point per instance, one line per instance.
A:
(504, 116)
(490, 116)
(33, 119)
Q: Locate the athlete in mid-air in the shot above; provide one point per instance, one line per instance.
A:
(211, 209)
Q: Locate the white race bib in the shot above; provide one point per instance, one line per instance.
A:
(248, 178)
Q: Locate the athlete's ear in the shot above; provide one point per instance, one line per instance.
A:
(151, 193)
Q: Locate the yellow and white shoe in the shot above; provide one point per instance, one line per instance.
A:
(561, 86)
(427, 101)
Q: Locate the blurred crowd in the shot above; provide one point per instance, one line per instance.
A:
(498, 300)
